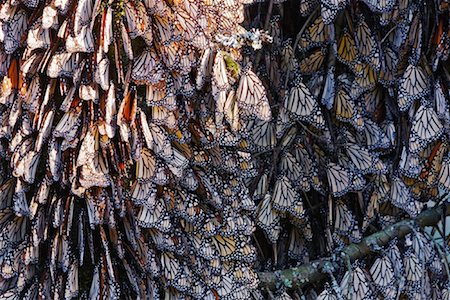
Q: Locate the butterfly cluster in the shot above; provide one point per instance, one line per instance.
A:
(120, 176)
(358, 140)
(168, 149)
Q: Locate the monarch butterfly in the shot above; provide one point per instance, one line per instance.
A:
(14, 229)
(227, 105)
(101, 73)
(442, 45)
(219, 74)
(27, 166)
(156, 138)
(251, 95)
(344, 106)
(50, 13)
(313, 62)
(347, 51)
(344, 221)
(68, 125)
(191, 30)
(262, 134)
(80, 42)
(205, 69)
(440, 102)
(374, 101)
(426, 128)
(262, 187)
(412, 86)
(284, 195)
(395, 256)
(163, 117)
(15, 28)
(163, 24)
(6, 196)
(297, 246)
(178, 163)
(283, 122)
(127, 114)
(225, 288)
(315, 84)
(363, 159)
(212, 185)
(275, 29)
(107, 125)
(63, 64)
(390, 132)
(433, 164)
(356, 285)
(189, 208)
(198, 288)
(45, 130)
(288, 61)
(5, 63)
(302, 104)
(164, 241)
(401, 197)
(126, 43)
(231, 227)
(309, 167)
(382, 272)
(229, 16)
(147, 68)
(367, 44)
(145, 166)
(19, 200)
(147, 257)
(137, 21)
(413, 267)
(170, 265)
(421, 246)
(268, 219)
(154, 215)
(410, 164)
(290, 167)
(226, 246)
(365, 80)
(72, 281)
(54, 159)
(32, 64)
(106, 32)
(388, 66)
(273, 70)
(414, 39)
(339, 179)
(329, 93)
(372, 208)
(245, 251)
(84, 13)
(38, 37)
(373, 136)
(315, 35)
(161, 94)
(143, 192)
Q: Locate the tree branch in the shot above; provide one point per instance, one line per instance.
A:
(315, 271)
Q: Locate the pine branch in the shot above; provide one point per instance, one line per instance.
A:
(316, 270)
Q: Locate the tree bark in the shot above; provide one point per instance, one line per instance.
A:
(316, 270)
